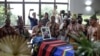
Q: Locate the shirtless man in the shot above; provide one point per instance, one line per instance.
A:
(93, 28)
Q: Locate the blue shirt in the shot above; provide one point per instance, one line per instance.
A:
(37, 40)
(33, 21)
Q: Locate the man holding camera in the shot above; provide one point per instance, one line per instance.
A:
(33, 19)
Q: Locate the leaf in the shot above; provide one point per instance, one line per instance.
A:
(74, 37)
(85, 46)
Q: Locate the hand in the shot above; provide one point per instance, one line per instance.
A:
(33, 34)
(31, 9)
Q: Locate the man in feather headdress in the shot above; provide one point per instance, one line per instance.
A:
(94, 29)
(21, 30)
(7, 29)
(74, 28)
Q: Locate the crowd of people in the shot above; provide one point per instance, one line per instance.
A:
(60, 26)
(7, 29)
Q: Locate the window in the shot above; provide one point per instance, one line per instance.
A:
(27, 8)
(47, 0)
(47, 8)
(2, 0)
(61, 7)
(2, 14)
(15, 11)
(64, 1)
(31, 0)
(14, 0)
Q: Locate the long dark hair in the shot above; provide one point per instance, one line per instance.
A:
(67, 21)
(47, 15)
(62, 12)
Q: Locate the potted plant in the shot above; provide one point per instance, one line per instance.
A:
(84, 46)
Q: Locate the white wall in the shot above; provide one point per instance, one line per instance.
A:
(78, 6)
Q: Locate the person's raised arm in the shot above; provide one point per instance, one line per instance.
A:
(29, 14)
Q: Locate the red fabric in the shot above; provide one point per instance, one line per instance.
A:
(51, 47)
(44, 44)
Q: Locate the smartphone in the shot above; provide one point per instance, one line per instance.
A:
(31, 9)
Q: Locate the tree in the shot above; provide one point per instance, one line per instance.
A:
(3, 17)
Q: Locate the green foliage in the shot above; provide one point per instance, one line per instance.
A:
(46, 9)
(2, 16)
(86, 47)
